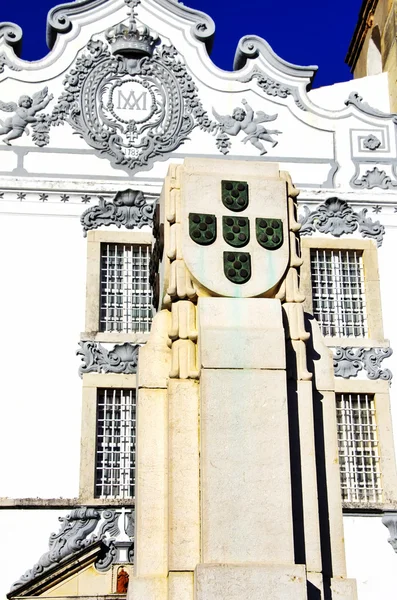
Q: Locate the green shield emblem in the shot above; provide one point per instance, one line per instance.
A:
(269, 233)
(237, 266)
(235, 195)
(236, 231)
(202, 228)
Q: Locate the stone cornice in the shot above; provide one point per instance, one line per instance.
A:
(364, 22)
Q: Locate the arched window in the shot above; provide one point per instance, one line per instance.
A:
(374, 55)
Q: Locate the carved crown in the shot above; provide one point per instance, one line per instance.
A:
(130, 39)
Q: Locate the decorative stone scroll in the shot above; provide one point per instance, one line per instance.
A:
(356, 100)
(336, 217)
(389, 520)
(80, 529)
(373, 178)
(128, 208)
(349, 361)
(95, 358)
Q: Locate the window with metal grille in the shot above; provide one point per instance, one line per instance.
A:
(126, 299)
(359, 457)
(338, 292)
(115, 443)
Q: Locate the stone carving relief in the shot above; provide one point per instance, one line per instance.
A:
(274, 88)
(81, 528)
(24, 114)
(5, 62)
(95, 358)
(389, 520)
(128, 208)
(336, 217)
(356, 100)
(245, 120)
(371, 142)
(349, 361)
(374, 178)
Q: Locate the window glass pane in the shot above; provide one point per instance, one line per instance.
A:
(338, 292)
(125, 293)
(359, 458)
(115, 443)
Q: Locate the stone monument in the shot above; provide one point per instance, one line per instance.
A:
(235, 499)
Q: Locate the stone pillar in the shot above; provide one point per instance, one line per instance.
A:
(229, 505)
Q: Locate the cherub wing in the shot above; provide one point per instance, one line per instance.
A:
(8, 106)
(262, 117)
(225, 120)
(39, 96)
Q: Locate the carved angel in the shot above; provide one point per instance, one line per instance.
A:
(244, 119)
(24, 113)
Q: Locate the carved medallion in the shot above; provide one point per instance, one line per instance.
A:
(235, 195)
(202, 228)
(237, 266)
(236, 231)
(269, 233)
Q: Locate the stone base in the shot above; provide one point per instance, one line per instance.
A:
(250, 582)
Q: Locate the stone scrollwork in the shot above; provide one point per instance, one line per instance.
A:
(349, 361)
(356, 100)
(95, 358)
(336, 217)
(5, 62)
(80, 529)
(273, 88)
(389, 520)
(373, 178)
(11, 34)
(128, 208)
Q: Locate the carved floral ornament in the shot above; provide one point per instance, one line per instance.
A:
(349, 361)
(95, 358)
(82, 528)
(129, 209)
(131, 98)
(336, 217)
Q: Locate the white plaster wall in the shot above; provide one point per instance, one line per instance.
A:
(25, 535)
(370, 558)
(42, 302)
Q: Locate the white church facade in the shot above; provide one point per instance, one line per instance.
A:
(199, 304)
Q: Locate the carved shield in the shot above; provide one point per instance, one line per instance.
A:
(269, 233)
(234, 262)
(236, 231)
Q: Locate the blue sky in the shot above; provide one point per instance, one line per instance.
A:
(306, 32)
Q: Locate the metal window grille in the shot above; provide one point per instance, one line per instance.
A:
(359, 457)
(338, 292)
(126, 298)
(115, 443)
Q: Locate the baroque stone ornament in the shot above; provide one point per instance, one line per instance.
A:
(335, 216)
(81, 528)
(5, 62)
(95, 358)
(274, 88)
(245, 120)
(371, 142)
(131, 99)
(24, 114)
(373, 178)
(356, 100)
(389, 520)
(349, 361)
(128, 208)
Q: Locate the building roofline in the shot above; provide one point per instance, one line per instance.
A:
(364, 23)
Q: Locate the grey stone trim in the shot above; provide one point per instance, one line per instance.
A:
(251, 46)
(128, 208)
(59, 18)
(349, 361)
(11, 34)
(374, 178)
(5, 62)
(336, 217)
(356, 100)
(274, 88)
(389, 520)
(95, 358)
(81, 528)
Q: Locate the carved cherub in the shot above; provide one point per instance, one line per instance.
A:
(243, 119)
(25, 112)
